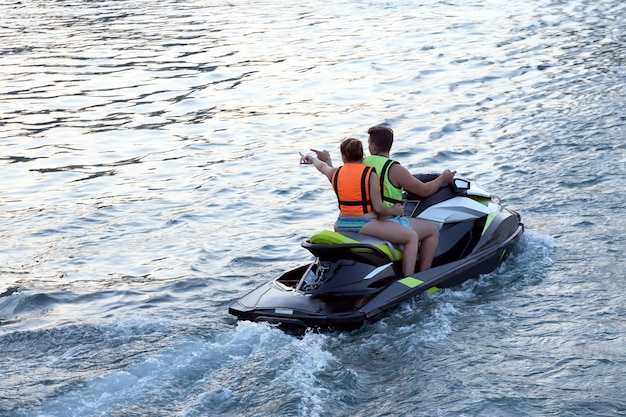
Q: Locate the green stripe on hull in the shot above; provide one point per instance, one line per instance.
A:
(411, 282)
(414, 282)
(490, 218)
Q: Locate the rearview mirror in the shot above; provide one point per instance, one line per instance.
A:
(461, 184)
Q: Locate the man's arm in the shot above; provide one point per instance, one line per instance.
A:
(323, 156)
(321, 166)
(400, 176)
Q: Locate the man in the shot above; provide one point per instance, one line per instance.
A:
(394, 179)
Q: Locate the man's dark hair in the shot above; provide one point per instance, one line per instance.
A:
(381, 137)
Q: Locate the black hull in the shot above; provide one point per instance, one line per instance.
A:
(279, 302)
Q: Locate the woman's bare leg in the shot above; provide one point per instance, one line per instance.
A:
(396, 233)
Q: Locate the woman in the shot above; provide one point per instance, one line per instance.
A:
(360, 203)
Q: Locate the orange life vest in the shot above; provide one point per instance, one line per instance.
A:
(351, 183)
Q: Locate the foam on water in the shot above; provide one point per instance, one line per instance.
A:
(197, 374)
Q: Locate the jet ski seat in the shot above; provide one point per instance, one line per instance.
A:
(327, 240)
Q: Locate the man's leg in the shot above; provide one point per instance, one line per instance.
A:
(429, 240)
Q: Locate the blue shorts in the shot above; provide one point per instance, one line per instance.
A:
(349, 224)
(401, 220)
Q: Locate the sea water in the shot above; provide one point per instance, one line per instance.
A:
(150, 176)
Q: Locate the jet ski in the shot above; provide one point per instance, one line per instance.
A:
(355, 278)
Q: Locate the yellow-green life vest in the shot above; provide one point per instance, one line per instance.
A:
(389, 192)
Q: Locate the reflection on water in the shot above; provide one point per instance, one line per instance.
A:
(150, 176)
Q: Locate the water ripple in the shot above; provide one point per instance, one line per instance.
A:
(150, 175)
